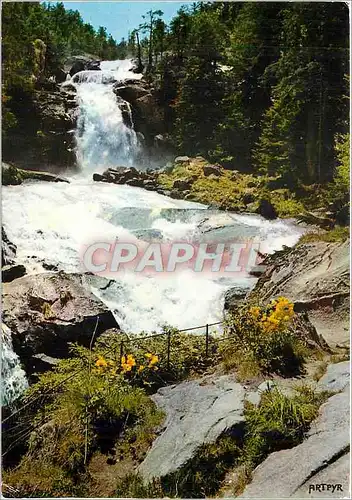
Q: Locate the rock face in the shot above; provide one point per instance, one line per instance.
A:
(8, 250)
(322, 458)
(196, 413)
(75, 64)
(43, 139)
(315, 277)
(147, 114)
(336, 378)
(47, 311)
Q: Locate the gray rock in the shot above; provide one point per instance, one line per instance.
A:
(196, 413)
(182, 159)
(233, 297)
(182, 184)
(215, 170)
(336, 378)
(130, 92)
(47, 311)
(315, 276)
(289, 473)
(267, 385)
(98, 177)
(134, 182)
(10, 273)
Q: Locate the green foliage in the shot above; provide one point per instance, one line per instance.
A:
(186, 356)
(333, 236)
(36, 40)
(278, 422)
(11, 175)
(258, 87)
(131, 486)
(259, 340)
(85, 409)
(201, 477)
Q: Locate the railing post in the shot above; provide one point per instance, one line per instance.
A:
(168, 349)
(121, 351)
(206, 340)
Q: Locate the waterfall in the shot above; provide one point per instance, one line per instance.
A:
(13, 378)
(104, 136)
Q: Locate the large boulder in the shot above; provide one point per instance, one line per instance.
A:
(75, 64)
(197, 412)
(315, 277)
(323, 458)
(266, 209)
(47, 311)
(130, 92)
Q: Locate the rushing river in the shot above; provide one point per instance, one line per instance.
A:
(52, 221)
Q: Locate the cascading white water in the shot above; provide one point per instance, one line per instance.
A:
(13, 378)
(103, 138)
(52, 222)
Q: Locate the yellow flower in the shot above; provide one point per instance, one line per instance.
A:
(101, 363)
(127, 363)
(141, 368)
(255, 311)
(153, 360)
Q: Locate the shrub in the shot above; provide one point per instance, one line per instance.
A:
(259, 340)
(88, 406)
(146, 364)
(333, 236)
(278, 422)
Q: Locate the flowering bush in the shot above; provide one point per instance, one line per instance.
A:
(259, 339)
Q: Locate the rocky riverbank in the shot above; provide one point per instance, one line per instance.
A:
(196, 179)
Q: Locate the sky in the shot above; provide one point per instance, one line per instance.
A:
(122, 16)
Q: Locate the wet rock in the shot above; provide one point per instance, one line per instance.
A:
(266, 209)
(130, 92)
(42, 362)
(10, 273)
(149, 185)
(148, 117)
(83, 62)
(134, 182)
(98, 177)
(233, 297)
(182, 159)
(126, 112)
(47, 311)
(8, 249)
(197, 412)
(11, 176)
